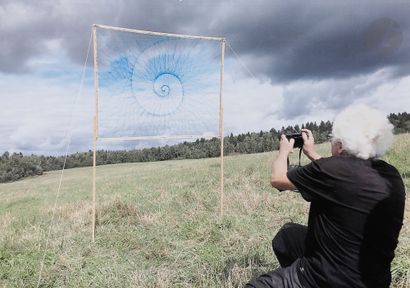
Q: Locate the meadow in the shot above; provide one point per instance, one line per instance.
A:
(158, 224)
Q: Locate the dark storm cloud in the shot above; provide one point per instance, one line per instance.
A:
(26, 26)
(285, 41)
(323, 39)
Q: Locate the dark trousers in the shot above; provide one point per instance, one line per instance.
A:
(289, 243)
(288, 246)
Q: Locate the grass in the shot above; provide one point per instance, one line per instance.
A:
(158, 225)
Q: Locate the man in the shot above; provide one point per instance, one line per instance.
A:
(356, 210)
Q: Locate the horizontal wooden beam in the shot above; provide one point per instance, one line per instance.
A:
(158, 33)
(159, 137)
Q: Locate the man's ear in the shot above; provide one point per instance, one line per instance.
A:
(340, 148)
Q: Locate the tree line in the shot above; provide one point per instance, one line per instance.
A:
(15, 166)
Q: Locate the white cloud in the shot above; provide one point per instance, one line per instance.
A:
(252, 105)
(37, 112)
(248, 103)
(311, 99)
(37, 108)
(391, 97)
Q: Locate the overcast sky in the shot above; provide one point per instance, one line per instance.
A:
(290, 62)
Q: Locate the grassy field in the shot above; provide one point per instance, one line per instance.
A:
(158, 224)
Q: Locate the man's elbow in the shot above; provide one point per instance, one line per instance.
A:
(276, 182)
(273, 182)
(281, 183)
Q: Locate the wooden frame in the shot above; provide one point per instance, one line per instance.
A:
(96, 137)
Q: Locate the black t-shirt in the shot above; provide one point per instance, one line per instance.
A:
(355, 217)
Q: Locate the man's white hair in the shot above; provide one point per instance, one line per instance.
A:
(363, 132)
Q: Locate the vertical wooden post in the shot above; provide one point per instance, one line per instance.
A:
(221, 129)
(95, 131)
(94, 179)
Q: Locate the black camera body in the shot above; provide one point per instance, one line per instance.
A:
(298, 139)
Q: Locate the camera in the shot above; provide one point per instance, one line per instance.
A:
(298, 139)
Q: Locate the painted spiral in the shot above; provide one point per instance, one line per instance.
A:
(157, 81)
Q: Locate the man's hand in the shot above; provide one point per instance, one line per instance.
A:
(285, 145)
(309, 145)
(279, 179)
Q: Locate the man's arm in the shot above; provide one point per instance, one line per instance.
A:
(279, 179)
(309, 145)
